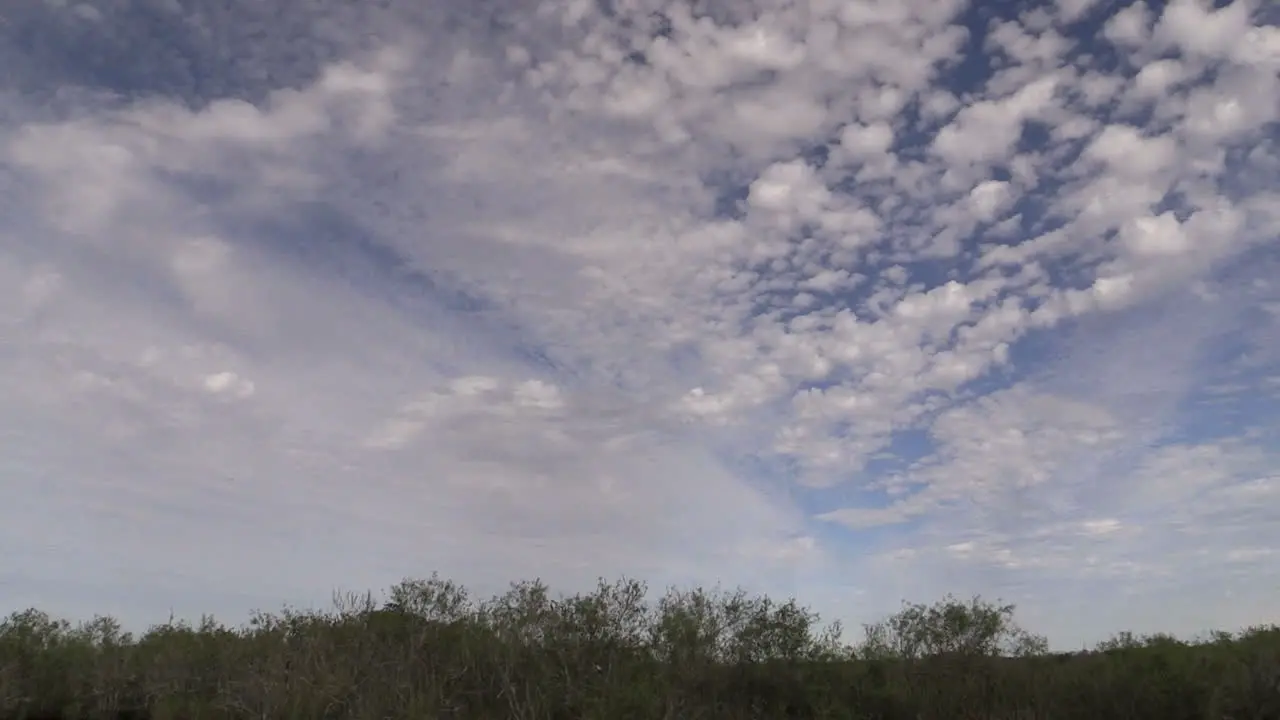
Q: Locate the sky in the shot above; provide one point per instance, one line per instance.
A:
(856, 302)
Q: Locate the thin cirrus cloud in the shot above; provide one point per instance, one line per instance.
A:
(851, 301)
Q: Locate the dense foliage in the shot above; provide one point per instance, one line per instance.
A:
(430, 651)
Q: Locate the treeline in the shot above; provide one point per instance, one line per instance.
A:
(432, 652)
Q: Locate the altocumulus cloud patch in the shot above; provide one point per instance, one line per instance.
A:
(852, 301)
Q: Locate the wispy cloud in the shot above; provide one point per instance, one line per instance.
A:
(854, 301)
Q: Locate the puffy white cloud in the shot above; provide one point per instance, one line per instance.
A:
(544, 290)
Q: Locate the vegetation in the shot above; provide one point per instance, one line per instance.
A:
(429, 651)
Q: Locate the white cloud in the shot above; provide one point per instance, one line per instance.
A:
(228, 382)
(988, 199)
(548, 291)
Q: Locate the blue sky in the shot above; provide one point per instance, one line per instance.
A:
(857, 302)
